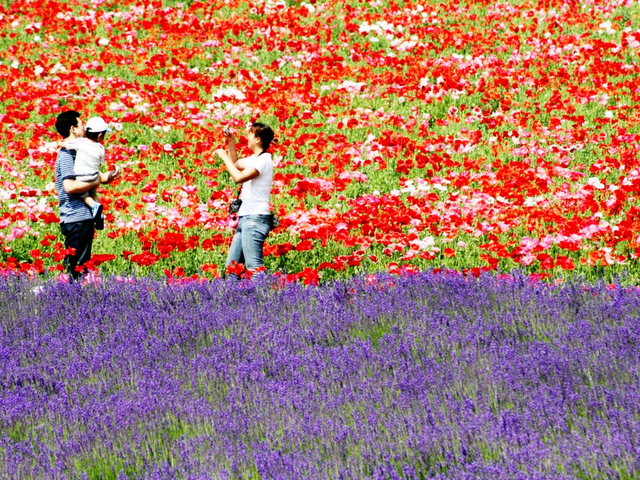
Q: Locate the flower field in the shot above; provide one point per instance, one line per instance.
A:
(412, 135)
(417, 376)
(421, 147)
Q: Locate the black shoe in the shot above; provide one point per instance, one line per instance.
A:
(98, 218)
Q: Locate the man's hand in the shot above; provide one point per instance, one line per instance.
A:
(61, 143)
(110, 176)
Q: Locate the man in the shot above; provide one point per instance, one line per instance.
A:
(76, 220)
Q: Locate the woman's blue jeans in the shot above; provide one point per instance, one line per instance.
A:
(248, 242)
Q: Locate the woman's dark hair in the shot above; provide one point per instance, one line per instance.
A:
(65, 121)
(264, 133)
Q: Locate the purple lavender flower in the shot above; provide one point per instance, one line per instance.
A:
(421, 376)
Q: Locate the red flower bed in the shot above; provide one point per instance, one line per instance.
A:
(411, 135)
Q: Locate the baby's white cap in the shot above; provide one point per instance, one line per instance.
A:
(97, 125)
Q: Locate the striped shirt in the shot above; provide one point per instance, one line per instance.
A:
(72, 207)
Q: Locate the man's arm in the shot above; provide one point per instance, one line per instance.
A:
(68, 176)
(73, 186)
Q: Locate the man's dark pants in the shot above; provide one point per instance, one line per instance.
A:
(78, 235)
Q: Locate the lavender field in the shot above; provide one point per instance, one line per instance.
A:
(431, 375)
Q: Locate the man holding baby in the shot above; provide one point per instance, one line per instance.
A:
(77, 220)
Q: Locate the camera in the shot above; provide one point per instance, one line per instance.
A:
(226, 130)
(234, 206)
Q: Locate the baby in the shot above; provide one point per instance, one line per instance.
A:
(89, 158)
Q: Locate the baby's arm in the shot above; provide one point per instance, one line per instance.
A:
(79, 144)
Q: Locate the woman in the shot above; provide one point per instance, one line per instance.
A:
(256, 175)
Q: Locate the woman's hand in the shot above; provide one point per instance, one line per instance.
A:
(231, 143)
(229, 134)
(222, 154)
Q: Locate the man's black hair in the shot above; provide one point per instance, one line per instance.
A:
(65, 121)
